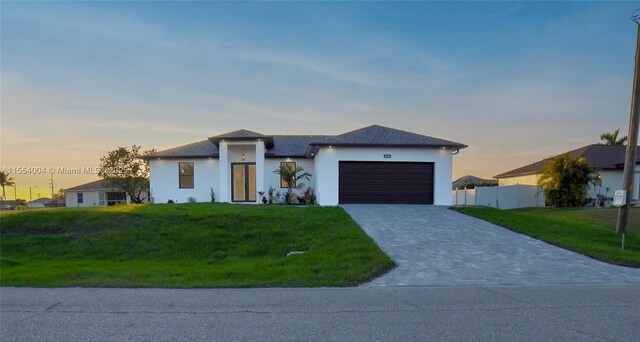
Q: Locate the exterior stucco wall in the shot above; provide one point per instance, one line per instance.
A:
(522, 180)
(165, 183)
(326, 168)
(611, 179)
(90, 199)
(271, 179)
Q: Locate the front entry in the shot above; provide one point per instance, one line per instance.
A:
(243, 183)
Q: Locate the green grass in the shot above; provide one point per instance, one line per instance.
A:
(186, 245)
(588, 231)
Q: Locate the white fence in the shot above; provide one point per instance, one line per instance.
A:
(502, 197)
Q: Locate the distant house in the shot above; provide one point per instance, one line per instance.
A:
(97, 193)
(44, 202)
(608, 160)
(471, 179)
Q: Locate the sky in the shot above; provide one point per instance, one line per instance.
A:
(516, 81)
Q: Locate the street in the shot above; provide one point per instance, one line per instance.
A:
(506, 313)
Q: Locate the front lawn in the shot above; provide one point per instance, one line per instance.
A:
(187, 245)
(589, 231)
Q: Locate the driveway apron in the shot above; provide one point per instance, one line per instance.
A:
(434, 245)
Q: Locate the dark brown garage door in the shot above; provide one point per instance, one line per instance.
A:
(385, 182)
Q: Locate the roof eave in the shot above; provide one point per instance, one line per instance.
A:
(452, 145)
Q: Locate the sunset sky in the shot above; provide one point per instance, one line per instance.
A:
(517, 82)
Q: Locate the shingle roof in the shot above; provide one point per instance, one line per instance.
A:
(291, 145)
(41, 200)
(602, 157)
(384, 136)
(239, 134)
(92, 186)
(200, 149)
(470, 179)
(299, 145)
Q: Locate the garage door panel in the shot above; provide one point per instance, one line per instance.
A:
(385, 182)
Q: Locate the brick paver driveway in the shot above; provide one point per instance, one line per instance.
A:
(434, 245)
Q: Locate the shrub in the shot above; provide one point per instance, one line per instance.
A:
(565, 181)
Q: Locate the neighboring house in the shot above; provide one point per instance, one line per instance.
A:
(608, 160)
(44, 202)
(374, 164)
(97, 193)
(471, 179)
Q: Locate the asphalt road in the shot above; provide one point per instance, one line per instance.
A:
(490, 313)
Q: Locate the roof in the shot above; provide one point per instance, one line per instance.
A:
(291, 145)
(239, 134)
(601, 157)
(200, 149)
(92, 186)
(384, 136)
(302, 145)
(41, 200)
(471, 179)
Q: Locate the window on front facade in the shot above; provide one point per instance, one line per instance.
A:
(80, 198)
(283, 182)
(185, 175)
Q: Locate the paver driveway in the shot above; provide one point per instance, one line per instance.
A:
(434, 245)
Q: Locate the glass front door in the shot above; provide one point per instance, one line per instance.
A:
(243, 183)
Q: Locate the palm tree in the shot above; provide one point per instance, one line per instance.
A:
(292, 175)
(612, 138)
(565, 181)
(5, 180)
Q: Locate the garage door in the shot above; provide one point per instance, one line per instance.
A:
(385, 182)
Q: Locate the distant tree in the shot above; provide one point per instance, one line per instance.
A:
(612, 138)
(123, 168)
(59, 195)
(566, 180)
(5, 180)
(292, 176)
(473, 185)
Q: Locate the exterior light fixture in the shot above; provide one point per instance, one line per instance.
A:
(243, 156)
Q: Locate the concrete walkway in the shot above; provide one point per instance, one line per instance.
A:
(434, 245)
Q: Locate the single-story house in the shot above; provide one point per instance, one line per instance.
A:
(97, 193)
(608, 160)
(469, 179)
(374, 164)
(45, 202)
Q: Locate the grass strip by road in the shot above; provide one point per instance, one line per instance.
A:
(187, 245)
(589, 231)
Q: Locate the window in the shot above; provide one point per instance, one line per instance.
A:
(291, 165)
(185, 175)
(80, 198)
(114, 198)
(101, 198)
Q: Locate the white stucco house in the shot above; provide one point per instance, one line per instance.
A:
(95, 194)
(608, 160)
(374, 164)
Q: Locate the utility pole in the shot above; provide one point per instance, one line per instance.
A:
(632, 142)
(51, 184)
(30, 197)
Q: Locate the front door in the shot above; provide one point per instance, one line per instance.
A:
(243, 182)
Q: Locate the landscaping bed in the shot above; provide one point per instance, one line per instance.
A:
(589, 231)
(187, 245)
